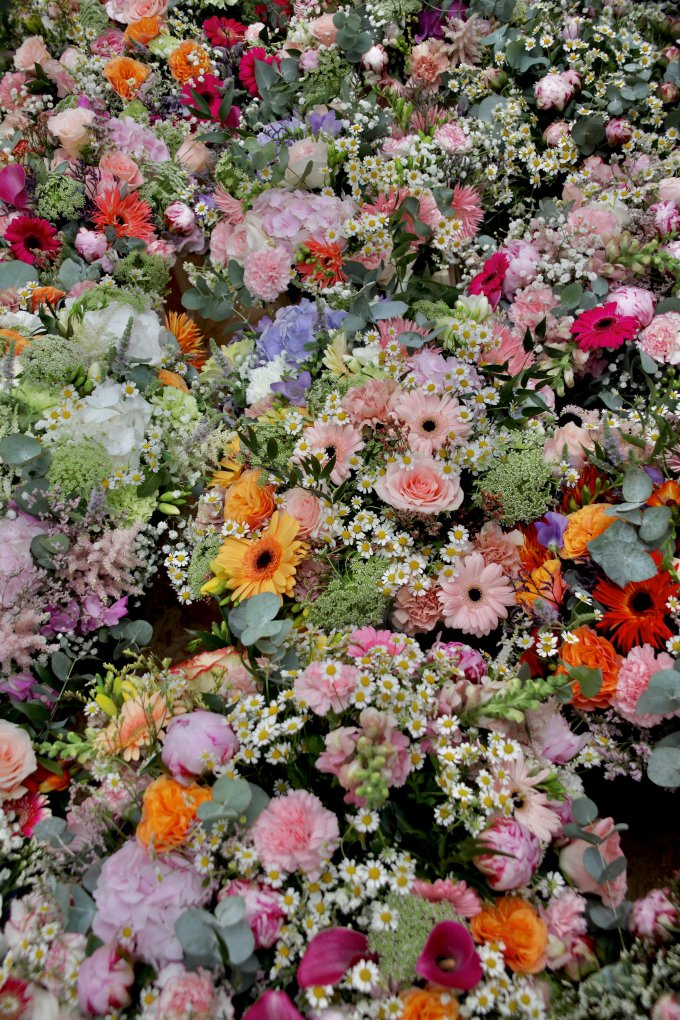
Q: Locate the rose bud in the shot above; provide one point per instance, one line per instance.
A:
(672, 53)
(179, 218)
(494, 78)
(618, 131)
(555, 132)
(668, 92)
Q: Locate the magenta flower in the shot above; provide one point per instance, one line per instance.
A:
(490, 281)
(329, 956)
(273, 1006)
(449, 957)
(603, 327)
(13, 186)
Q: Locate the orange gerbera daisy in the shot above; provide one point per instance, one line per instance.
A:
(187, 61)
(636, 614)
(667, 494)
(324, 263)
(125, 76)
(129, 215)
(188, 336)
(251, 566)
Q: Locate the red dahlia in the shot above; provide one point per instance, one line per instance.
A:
(32, 240)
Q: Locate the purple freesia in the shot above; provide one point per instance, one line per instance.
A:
(449, 957)
(550, 529)
(13, 186)
(329, 956)
(96, 614)
(326, 122)
(293, 390)
(273, 1006)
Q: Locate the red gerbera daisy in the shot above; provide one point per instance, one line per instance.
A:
(129, 215)
(324, 263)
(490, 281)
(32, 240)
(603, 327)
(636, 614)
(14, 998)
(246, 67)
(224, 31)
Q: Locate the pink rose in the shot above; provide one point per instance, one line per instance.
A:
(554, 91)
(661, 338)
(669, 190)
(17, 760)
(636, 301)
(452, 138)
(654, 916)
(267, 273)
(296, 832)
(595, 220)
(231, 240)
(91, 244)
(301, 154)
(179, 218)
(519, 854)
(219, 669)
(419, 487)
(555, 132)
(577, 440)
(264, 913)
(307, 510)
(572, 863)
(104, 982)
(139, 9)
(122, 167)
(70, 128)
(31, 52)
(323, 29)
(197, 741)
(193, 155)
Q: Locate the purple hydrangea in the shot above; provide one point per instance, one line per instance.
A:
(293, 332)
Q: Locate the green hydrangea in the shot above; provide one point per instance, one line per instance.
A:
(432, 309)
(92, 18)
(399, 950)
(128, 507)
(78, 467)
(230, 176)
(59, 197)
(199, 567)
(149, 272)
(518, 488)
(324, 82)
(166, 183)
(51, 359)
(182, 406)
(352, 599)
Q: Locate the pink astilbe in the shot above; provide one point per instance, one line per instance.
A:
(20, 638)
(104, 565)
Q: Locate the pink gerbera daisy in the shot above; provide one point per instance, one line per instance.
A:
(467, 208)
(477, 598)
(532, 806)
(603, 327)
(430, 420)
(339, 441)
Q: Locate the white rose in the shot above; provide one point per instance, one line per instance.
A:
(114, 420)
(102, 328)
(300, 155)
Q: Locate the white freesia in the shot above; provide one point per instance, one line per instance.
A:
(102, 328)
(114, 420)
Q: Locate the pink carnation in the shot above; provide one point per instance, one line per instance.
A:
(531, 306)
(452, 138)
(655, 916)
(635, 672)
(326, 685)
(371, 403)
(464, 901)
(497, 546)
(415, 614)
(661, 339)
(267, 273)
(296, 832)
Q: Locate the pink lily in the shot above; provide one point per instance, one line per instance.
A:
(449, 957)
(329, 956)
(273, 1006)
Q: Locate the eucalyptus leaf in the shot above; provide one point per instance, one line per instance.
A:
(15, 274)
(621, 554)
(239, 941)
(584, 810)
(637, 485)
(230, 910)
(594, 865)
(197, 937)
(655, 524)
(663, 766)
(81, 911)
(18, 449)
(662, 696)
(588, 679)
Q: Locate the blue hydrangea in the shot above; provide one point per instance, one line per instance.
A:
(294, 332)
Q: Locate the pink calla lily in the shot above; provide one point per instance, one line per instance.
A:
(449, 957)
(273, 1006)
(13, 186)
(329, 956)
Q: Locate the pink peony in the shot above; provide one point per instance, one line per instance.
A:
(104, 982)
(636, 301)
(667, 1007)
(264, 913)
(661, 339)
(477, 598)
(655, 916)
(179, 218)
(554, 91)
(267, 273)
(326, 685)
(666, 216)
(375, 59)
(523, 261)
(220, 669)
(91, 244)
(17, 760)
(635, 672)
(197, 741)
(415, 614)
(517, 858)
(618, 131)
(669, 190)
(17, 572)
(573, 865)
(555, 132)
(420, 487)
(550, 735)
(465, 660)
(296, 832)
(464, 901)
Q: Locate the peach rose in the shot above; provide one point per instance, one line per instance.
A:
(17, 760)
(515, 923)
(573, 865)
(70, 127)
(168, 812)
(31, 52)
(419, 487)
(143, 31)
(323, 29)
(577, 441)
(139, 9)
(307, 510)
(193, 155)
(248, 501)
(582, 527)
(123, 167)
(141, 720)
(594, 652)
(220, 668)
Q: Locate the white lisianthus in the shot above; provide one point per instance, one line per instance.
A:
(102, 328)
(114, 420)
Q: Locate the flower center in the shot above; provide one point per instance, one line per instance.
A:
(429, 425)
(264, 559)
(605, 323)
(474, 594)
(447, 963)
(641, 602)
(330, 451)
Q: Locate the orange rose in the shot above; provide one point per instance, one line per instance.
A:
(544, 583)
(167, 378)
(143, 31)
(595, 652)
(249, 502)
(168, 812)
(41, 295)
(11, 336)
(125, 76)
(429, 1004)
(188, 61)
(515, 923)
(582, 527)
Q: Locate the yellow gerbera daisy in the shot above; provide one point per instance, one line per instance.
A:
(230, 466)
(251, 566)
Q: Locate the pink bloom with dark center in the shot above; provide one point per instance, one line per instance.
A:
(603, 327)
(464, 901)
(449, 957)
(477, 598)
(431, 421)
(339, 441)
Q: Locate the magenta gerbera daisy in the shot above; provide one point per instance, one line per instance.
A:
(603, 327)
(490, 281)
(32, 240)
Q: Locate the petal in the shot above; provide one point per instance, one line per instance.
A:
(449, 940)
(273, 1006)
(329, 955)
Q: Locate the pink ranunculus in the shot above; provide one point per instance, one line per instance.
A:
(295, 832)
(70, 127)
(635, 672)
(573, 866)
(523, 259)
(553, 91)
(326, 685)
(452, 138)
(264, 913)
(636, 301)
(323, 29)
(31, 52)
(179, 218)
(517, 858)
(123, 167)
(661, 338)
(420, 487)
(197, 741)
(655, 916)
(267, 273)
(91, 244)
(17, 760)
(193, 155)
(577, 441)
(307, 509)
(666, 216)
(104, 982)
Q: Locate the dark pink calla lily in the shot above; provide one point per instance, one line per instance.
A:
(273, 1006)
(13, 186)
(329, 956)
(449, 957)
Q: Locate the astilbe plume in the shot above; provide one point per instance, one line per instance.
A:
(463, 38)
(20, 639)
(104, 566)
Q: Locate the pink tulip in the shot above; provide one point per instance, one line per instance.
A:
(449, 957)
(329, 956)
(273, 1006)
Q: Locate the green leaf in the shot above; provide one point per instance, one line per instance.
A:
(230, 911)
(17, 449)
(133, 632)
(388, 310)
(239, 941)
(61, 665)
(588, 133)
(232, 793)
(606, 917)
(637, 485)
(197, 938)
(655, 524)
(613, 870)
(592, 858)
(258, 802)
(662, 696)
(621, 554)
(53, 831)
(16, 274)
(81, 911)
(589, 680)
(663, 766)
(584, 810)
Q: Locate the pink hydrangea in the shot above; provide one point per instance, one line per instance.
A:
(326, 685)
(293, 217)
(296, 832)
(635, 672)
(267, 273)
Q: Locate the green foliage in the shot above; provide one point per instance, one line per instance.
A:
(59, 197)
(352, 599)
(432, 310)
(621, 554)
(325, 81)
(399, 950)
(255, 625)
(518, 488)
(78, 468)
(228, 174)
(139, 269)
(165, 183)
(50, 359)
(199, 568)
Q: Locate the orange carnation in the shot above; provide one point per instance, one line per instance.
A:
(429, 1004)
(582, 527)
(168, 812)
(188, 61)
(515, 923)
(595, 652)
(125, 76)
(143, 31)
(42, 295)
(248, 501)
